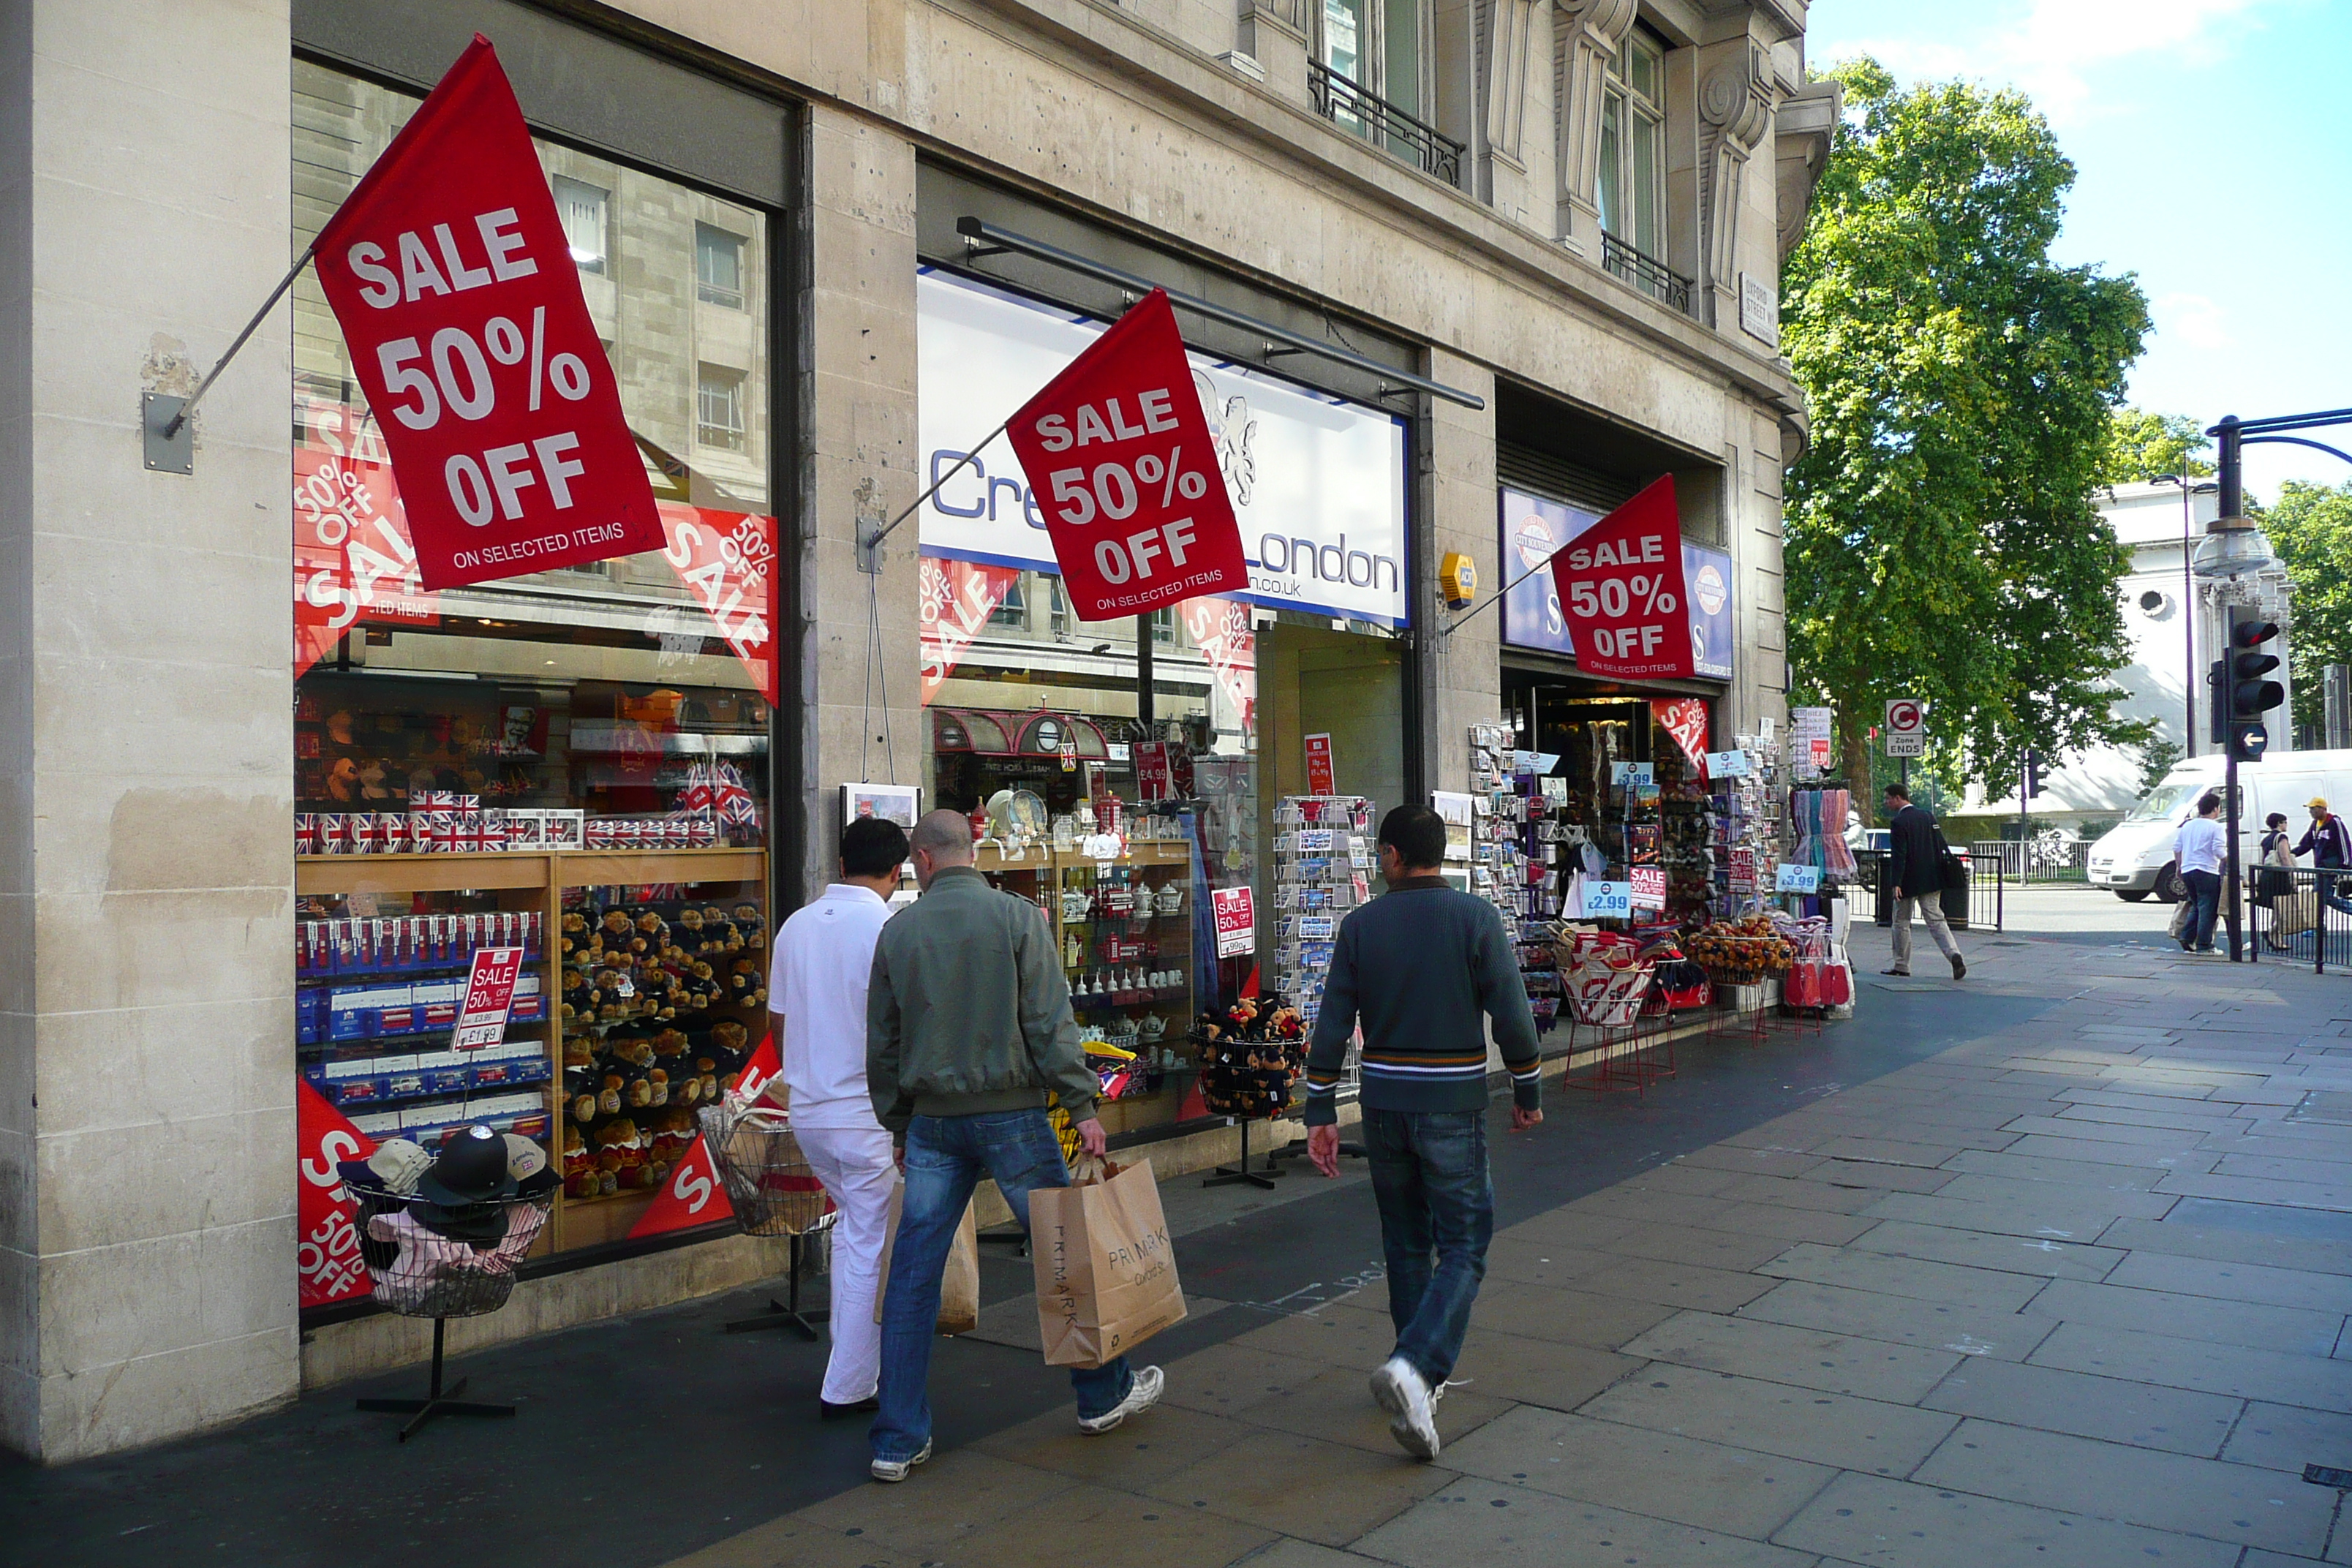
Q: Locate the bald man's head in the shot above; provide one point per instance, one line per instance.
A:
(941, 839)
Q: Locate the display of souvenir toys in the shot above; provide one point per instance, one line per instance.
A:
(1604, 975)
(1250, 1054)
(1742, 951)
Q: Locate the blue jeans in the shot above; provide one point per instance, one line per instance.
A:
(2204, 905)
(946, 1157)
(1429, 1175)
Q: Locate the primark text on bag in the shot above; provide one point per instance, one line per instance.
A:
(1106, 1270)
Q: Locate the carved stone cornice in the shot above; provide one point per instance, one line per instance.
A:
(1735, 106)
(1802, 129)
(1508, 28)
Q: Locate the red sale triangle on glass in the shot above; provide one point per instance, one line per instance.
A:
(1118, 448)
(690, 1195)
(1621, 591)
(449, 272)
(760, 1071)
(328, 1266)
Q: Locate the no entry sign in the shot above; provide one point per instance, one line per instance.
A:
(1121, 454)
(449, 274)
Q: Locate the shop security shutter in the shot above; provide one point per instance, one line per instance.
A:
(1547, 477)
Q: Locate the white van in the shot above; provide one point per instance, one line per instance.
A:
(2135, 858)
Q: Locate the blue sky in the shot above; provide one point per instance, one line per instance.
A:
(2211, 159)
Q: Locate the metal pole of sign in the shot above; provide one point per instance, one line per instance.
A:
(172, 421)
(2232, 500)
(870, 544)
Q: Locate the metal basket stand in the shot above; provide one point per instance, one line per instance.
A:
(774, 1192)
(1234, 1176)
(431, 1287)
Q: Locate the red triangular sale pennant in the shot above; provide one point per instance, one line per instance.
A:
(691, 1196)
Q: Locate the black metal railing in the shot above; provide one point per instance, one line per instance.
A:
(1647, 273)
(1981, 906)
(1353, 108)
(2299, 915)
(2047, 857)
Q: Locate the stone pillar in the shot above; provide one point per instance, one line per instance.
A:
(857, 397)
(1272, 36)
(1735, 108)
(1584, 38)
(147, 1183)
(1461, 674)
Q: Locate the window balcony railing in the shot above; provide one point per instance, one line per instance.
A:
(1647, 273)
(1382, 123)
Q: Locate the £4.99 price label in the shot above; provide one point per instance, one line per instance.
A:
(450, 276)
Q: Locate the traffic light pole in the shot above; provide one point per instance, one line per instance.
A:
(2231, 479)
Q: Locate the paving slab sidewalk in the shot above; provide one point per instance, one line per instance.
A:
(1958, 1315)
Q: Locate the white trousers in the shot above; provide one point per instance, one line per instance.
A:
(858, 1171)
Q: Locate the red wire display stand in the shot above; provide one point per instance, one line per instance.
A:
(774, 1192)
(420, 1273)
(1614, 1021)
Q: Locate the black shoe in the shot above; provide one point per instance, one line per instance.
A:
(1959, 967)
(1902, 972)
(827, 1410)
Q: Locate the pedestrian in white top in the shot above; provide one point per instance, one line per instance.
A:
(2198, 849)
(825, 954)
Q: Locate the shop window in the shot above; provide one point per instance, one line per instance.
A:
(719, 267)
(582, 208)
(718, 408)
(580, 754)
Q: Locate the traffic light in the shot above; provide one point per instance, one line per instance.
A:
(2245, 695)
(2033, 775)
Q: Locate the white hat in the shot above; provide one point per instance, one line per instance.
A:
(398, 1162)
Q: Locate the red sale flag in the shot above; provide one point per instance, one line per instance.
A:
(760, 1070)
(1118, 447)
(1685, 718)
(327, 1244)
(1621, 587)
(692, 1195)
(448, 271)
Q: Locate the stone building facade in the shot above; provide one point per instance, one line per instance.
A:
(1560, 222)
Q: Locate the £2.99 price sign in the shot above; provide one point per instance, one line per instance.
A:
(1621, 587)
(449, 274)
(1121, 454)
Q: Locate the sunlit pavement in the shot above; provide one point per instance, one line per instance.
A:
(2047, 1265)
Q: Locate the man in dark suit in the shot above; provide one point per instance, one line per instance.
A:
(1914, 870)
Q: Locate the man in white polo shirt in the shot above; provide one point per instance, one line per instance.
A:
(825, 955)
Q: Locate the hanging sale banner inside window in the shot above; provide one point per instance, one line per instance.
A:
(328, 1266)
(1685, 718)
(352, 559)
(953, 604)
(450, 273)
(1621, 588)
(727, 561)
(1139, 514)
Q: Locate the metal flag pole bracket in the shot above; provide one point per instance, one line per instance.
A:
(870, 534)
(171, 444)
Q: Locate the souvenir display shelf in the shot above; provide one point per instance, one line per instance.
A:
(1323, 867)
(1744, 820)
(536, 1092)
(1522, 850)
(1130, 968)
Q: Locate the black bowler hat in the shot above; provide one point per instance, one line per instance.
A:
(471, 1169)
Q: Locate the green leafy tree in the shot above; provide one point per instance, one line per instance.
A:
(1941, 538)
(2156, 760)
(2310, 528)
(2141, 445)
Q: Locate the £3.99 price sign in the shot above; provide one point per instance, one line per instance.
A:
(451, 279)
(1120, 452)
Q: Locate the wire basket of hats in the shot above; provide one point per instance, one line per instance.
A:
(441, 1233)
(1603, 977)
(1250, 1054)
(767, 1178)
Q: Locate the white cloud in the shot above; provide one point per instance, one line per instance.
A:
(2191, 318)
(2048, 47)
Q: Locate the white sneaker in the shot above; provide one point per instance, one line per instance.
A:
(892, 1471)
(1405, 1395)
(1140, 1398)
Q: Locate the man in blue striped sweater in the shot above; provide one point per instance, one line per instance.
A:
(1421, 967)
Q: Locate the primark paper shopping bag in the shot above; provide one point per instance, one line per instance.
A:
(1106, 1272)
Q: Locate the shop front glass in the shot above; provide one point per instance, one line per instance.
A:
(575, 762)
(1122, 806)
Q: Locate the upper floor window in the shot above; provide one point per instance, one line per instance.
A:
(717, 266)
(1366, 77)
(1013, 611)
(718, 408)
(584, 209)
(1633, 188)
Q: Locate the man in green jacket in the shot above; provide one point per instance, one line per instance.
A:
(1423, 968)
(968, 1027)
